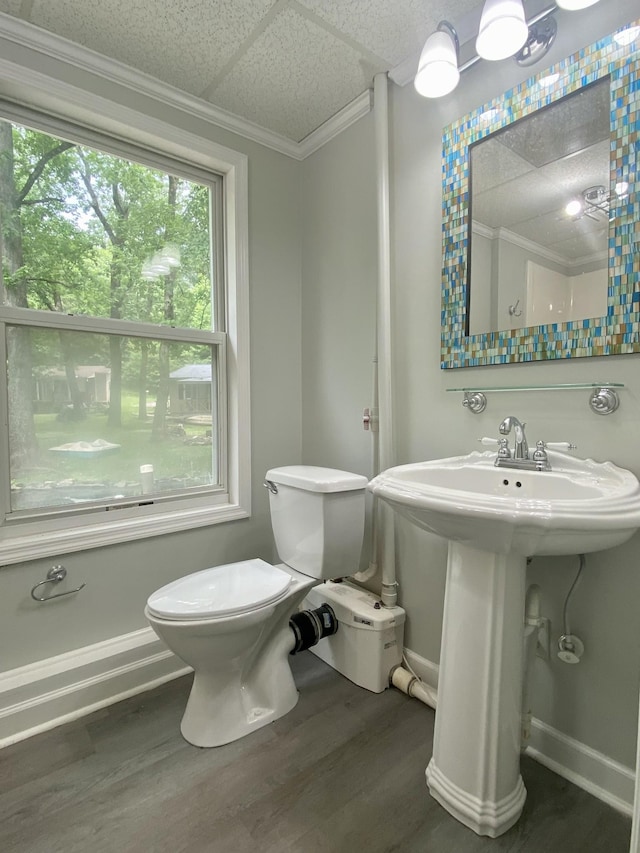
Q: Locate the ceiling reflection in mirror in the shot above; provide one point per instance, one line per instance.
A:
(541, 216)
(540, 212)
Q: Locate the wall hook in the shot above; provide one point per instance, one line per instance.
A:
(513, 310)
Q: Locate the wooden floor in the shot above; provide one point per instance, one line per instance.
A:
(343, 771)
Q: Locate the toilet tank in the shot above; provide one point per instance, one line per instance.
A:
(317, 516)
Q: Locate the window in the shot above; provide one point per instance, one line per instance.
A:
(123, 388)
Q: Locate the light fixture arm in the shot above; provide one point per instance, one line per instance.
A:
(446, 27)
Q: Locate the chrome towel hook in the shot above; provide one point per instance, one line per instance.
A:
(54, 575)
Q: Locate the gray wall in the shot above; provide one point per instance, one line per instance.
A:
(120, 578)
(595, 702)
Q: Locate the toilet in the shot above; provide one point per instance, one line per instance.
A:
(231, 622)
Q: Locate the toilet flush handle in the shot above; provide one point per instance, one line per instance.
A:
(273, 488)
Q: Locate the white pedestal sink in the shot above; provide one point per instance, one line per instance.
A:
(494, 518)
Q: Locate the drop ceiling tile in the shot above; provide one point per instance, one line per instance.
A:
(492, 164)
(587, 168)
(582, 247)
(392, 30)
(184, 43)
(568, 237)
(516, 201)
(294, 77)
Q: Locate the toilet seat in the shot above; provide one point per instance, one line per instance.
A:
(222, 591)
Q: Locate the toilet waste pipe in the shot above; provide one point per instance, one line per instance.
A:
(383, 535)
(311, 626)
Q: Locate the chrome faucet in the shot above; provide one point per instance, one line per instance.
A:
(520, 458)
(521, 450)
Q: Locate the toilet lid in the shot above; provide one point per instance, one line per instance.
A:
(222, 591)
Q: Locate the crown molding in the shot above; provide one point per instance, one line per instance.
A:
(86, 60)
(502, 233)
(331, 128)
(549, 254)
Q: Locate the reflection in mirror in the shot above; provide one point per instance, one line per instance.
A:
(540, 206)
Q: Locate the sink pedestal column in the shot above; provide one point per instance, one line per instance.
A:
(475, 769)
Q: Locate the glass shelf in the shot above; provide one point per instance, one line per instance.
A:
(603, 401)
(568, 387)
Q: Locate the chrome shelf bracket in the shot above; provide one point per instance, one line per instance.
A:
(475, 401)
(604, 401)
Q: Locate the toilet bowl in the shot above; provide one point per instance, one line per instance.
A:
(231, 622)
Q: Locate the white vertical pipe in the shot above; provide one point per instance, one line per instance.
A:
(372, 569)
(384, 514)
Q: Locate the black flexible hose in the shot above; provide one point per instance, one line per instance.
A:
(310, 626)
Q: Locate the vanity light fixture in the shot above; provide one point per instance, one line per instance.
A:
(595, 202)
(438, 72)
(504, 31)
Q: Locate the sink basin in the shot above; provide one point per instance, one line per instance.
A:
(577, 507)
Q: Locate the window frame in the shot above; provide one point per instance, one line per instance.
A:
(158, 144)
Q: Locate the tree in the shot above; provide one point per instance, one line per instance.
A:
(13, 199)
(78, 226)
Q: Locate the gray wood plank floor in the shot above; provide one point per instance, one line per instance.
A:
(343, 771)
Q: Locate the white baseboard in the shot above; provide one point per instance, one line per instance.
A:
(587, 768)
(606, 779)
(43, 695)
(426, 670)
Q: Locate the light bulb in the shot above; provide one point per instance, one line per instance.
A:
(438, 67)
(573, 208)
(574, 5)
(503, 29)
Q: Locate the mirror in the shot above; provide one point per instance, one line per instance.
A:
(524, 277)
(540, 208)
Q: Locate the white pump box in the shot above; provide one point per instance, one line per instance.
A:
(369, 639)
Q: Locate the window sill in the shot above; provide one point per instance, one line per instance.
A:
(33, 542)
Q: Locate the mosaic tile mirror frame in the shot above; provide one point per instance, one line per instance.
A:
(619, 330)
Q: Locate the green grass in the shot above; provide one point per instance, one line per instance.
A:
(169, 455)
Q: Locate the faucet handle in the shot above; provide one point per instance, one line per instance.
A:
(488, 442)
(540, 453)
(560, 445)
(503, 449)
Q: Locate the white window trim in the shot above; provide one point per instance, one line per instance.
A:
(41, 539)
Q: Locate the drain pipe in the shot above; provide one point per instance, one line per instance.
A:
(412, 686)
(532, 623)
(383, 514)
(371, 423)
